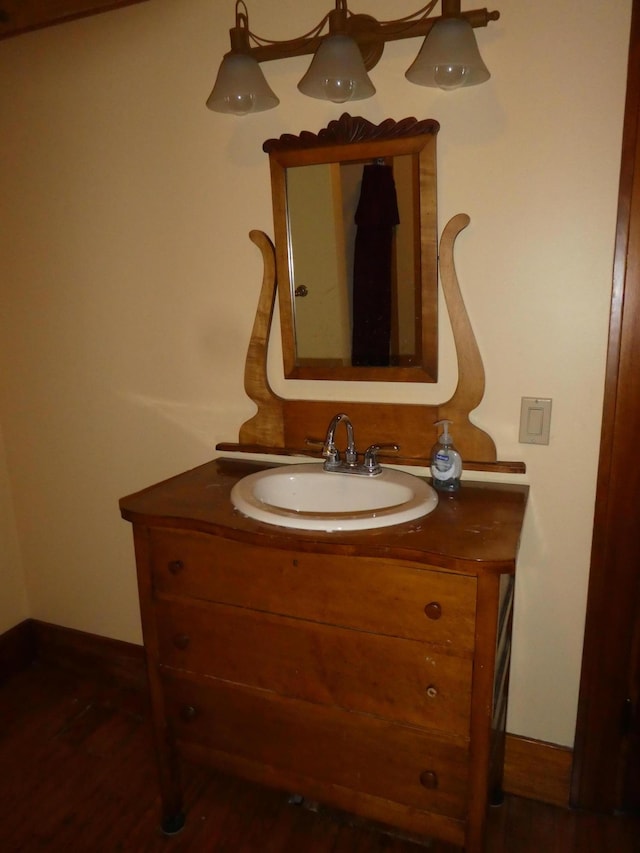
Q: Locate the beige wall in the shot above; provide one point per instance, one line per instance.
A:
(129, 284)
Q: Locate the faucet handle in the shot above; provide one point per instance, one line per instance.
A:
(371, 464)
(319, 443)
(329, 451)
(314, 442)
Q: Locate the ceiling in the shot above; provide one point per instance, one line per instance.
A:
(20, 16)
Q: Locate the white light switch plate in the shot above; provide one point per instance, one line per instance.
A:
(535, 420)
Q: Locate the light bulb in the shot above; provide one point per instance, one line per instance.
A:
(240, 87)
(449, 57)
(450, 76)
(241, 104)
(337, 72)
(338, 89)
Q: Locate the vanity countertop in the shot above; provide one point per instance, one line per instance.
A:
(474, 530)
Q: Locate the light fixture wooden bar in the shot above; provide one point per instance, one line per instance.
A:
(366, 30)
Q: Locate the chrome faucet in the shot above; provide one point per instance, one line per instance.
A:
(350, 465)
(331, 452)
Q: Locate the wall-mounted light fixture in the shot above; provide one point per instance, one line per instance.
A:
(351, 45)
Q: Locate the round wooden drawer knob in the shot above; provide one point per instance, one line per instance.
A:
(433, 610)
(432, 691)
(428, 779)
(181, 641)
(188, 713)
(176, 566)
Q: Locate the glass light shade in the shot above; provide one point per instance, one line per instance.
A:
(449, 57)
(240, 87)
(337, 72)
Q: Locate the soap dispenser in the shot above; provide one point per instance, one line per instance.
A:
(446, 463)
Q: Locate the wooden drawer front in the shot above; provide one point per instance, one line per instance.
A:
(403, 680)
(334, 747)
(381, 596)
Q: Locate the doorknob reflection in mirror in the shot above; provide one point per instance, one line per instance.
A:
(345, 46)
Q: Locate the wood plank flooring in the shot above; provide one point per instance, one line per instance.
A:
(77, 774)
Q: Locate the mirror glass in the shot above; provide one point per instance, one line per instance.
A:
(356, 250)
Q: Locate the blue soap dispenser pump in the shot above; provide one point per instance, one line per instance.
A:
(446, 462)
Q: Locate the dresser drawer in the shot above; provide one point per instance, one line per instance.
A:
(403, 680)
(328, 745)
(377, 595)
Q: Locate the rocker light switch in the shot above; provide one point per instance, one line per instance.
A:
(535, 419)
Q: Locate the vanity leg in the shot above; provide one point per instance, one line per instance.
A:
(173, 816)
(496, 797)
(172, 824)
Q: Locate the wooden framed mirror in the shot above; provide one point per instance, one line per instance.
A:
(356, 237)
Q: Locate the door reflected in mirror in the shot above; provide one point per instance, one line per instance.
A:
(356, 250)
(349, 309)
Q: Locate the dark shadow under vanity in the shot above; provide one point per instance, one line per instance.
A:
(367, 670)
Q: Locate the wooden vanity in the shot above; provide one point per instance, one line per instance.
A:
(366, 670)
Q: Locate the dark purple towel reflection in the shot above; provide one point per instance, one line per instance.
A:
(376, 217)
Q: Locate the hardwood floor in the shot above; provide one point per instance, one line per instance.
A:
(77, 774)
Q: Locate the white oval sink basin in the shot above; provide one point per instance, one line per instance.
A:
(306, 497)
